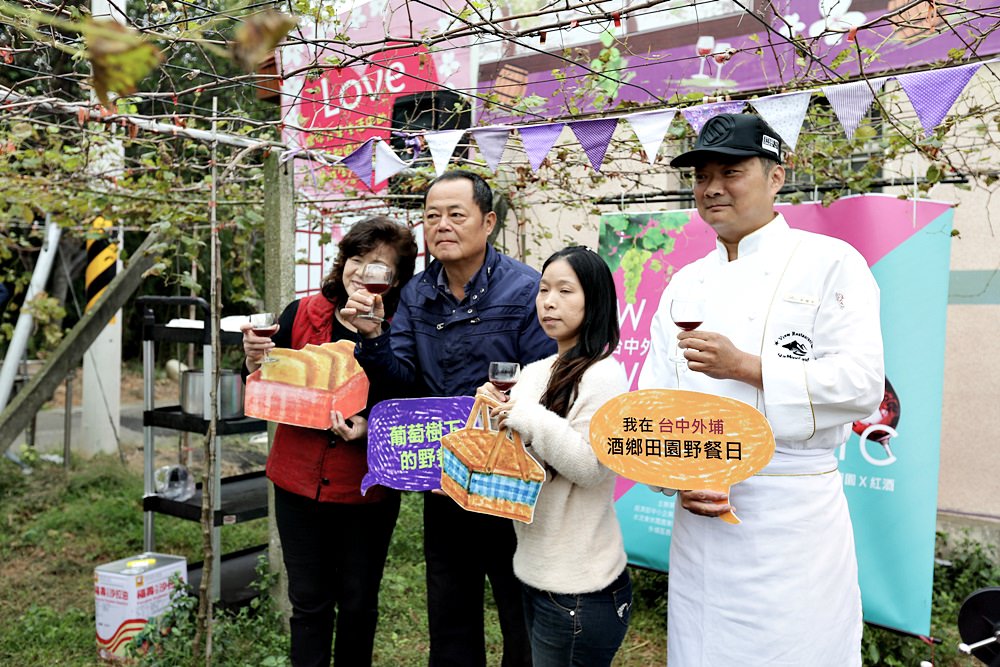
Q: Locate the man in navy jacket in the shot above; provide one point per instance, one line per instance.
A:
(471, 306)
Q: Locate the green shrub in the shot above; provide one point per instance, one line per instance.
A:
(253, 635)
(969, 568)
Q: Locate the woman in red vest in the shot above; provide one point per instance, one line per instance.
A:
(334, 540)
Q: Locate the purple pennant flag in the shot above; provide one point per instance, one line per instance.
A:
(491, 142)
(702, 113)
(538, 141)
(851, 101)
(932, 93)
(594, 136)
(360, 162)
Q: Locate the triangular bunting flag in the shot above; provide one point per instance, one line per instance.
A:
(491, 142)
(851, 101)
(650, 127)
(932, 93)
(387, 163)
(702, 113)
(784, 113)
(442, 145)
(360, 162)
(594, 136)
(538, 141)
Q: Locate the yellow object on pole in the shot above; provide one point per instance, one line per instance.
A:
(102, 260)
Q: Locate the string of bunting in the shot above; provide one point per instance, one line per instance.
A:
(932, 93)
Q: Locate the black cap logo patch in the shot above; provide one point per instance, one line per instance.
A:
(717, 130)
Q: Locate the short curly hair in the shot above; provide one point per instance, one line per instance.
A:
(363, 237)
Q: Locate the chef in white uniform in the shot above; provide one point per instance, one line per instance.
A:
(791, 327)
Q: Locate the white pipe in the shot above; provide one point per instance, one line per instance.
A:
(22, 330)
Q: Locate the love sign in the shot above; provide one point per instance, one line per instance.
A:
(681, 439)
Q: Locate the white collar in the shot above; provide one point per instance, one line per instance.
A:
(756, 240)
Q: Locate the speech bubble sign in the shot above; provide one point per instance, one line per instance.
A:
(404, 440)
(682, 439)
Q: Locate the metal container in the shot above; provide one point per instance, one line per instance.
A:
(230, 394)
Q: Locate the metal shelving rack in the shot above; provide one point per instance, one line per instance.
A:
(237, 498)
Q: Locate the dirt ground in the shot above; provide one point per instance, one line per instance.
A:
(166, 390)
(239, 453)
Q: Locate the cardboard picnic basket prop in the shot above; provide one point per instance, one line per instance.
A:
(489, 471)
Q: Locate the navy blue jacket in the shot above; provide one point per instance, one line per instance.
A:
(438, 346)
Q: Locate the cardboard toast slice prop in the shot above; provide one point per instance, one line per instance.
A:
(489, 471)
(681, 439)
(303, 386)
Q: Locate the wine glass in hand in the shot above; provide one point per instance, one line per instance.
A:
(688, 314)
(504, 374)
(264, 325)
(377, 278)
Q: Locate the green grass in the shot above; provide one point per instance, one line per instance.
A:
(56, 528)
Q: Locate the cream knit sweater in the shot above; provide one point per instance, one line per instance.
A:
(574, 545)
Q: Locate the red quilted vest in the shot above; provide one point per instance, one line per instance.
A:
(310, 462)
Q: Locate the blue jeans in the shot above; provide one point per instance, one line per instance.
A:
(578, 630)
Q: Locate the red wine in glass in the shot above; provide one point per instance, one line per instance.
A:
(377, 278)
(265, 332)
(504, 374)
(688, 326)
(264, 325)
(688, 314)
(377, 288)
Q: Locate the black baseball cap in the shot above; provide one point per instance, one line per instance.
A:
(735, 134)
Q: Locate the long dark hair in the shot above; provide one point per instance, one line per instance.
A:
(363, 237)
(598, 335)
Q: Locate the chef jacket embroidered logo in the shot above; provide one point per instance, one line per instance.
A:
(794, 345)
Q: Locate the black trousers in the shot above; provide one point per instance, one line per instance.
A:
(461, 549)
(334, 554)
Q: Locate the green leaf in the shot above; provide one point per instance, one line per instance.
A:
(119, 58)
(841, 58)
(933, 173)
(257, 37)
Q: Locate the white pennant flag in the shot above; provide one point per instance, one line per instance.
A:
(784, 113)
(442, 145)
(387, 163)
(650, 127)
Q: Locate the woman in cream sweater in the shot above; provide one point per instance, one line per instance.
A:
(571, 559)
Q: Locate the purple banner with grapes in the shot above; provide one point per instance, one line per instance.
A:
(891, 475)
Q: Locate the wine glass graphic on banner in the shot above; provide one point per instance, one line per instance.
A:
(721, 56)
(703, 47)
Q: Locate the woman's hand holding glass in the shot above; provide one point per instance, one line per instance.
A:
(364, 308)
(255, 346)
(501, 405)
